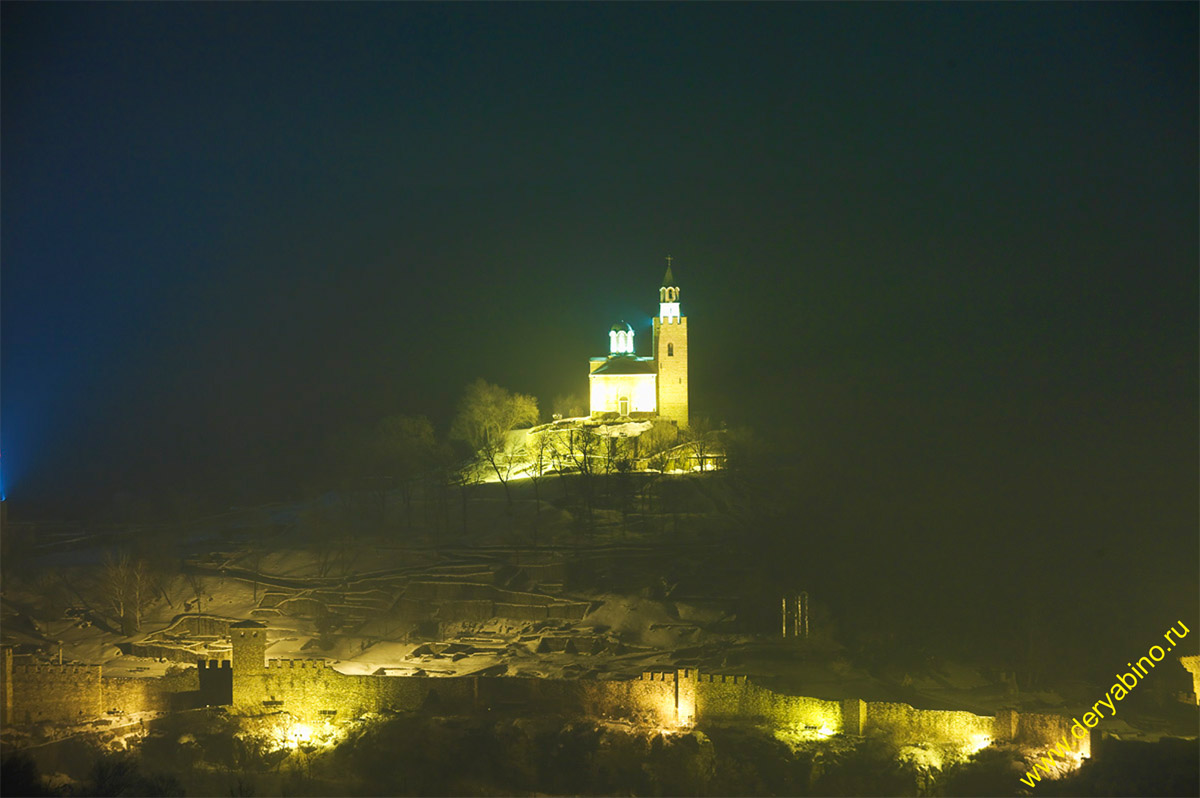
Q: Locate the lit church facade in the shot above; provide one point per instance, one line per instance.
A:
(636, 387)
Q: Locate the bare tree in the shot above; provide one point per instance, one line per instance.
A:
(372, 460)
(539, 449)
(128, 587)
(655, 441)
(581, 448)
(405, 448)
(703, 436)
(451, 472)
(486, 415)
(196, 583)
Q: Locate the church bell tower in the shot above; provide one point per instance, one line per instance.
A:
(670, 353)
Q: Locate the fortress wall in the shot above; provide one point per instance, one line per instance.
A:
(908, 725)
(312, 691)
(736, 698)
(721, 697)
(1044, 731)
(133, 694)
(529, 694)
(783, 709)
(1192, 665)
(409, 693)
(56, 693)
(214, 682)
(642, 701)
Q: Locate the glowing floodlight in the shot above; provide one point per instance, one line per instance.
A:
(978, 743)
(299, 733)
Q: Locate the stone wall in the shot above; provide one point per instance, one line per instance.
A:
(1192, 665)
(54, 693)
(128, 694)
(906, 724)
(311, 691)
(214, 683)
(1042, 731)
(737, 698)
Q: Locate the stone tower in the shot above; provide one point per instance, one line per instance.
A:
(249, 642)
(671, 353)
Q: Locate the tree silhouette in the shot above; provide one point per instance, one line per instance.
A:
(486, 414)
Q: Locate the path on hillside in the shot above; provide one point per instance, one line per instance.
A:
(467, 555)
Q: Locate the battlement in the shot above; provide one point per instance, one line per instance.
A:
(692, 674)
(302, 664)
(72, 670)
(721, 678)
(211, 664)
(658, 676)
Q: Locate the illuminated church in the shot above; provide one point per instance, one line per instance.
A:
(636, 387)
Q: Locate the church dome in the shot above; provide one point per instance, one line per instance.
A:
(620, 339)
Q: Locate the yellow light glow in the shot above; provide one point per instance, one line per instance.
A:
(608, 390)
(825, 731)
(299, 733)
(978, 743)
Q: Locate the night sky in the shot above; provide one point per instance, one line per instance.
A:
(953, 245)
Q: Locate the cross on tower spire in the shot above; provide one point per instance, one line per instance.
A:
(668, 278)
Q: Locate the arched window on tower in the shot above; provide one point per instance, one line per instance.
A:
(670, 350)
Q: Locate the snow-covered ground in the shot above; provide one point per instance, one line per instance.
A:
(374, 603)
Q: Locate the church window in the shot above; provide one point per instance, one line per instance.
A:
(670, 350)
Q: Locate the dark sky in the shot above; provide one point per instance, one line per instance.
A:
(939, 239)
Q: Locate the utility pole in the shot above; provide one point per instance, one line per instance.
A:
(802, 615)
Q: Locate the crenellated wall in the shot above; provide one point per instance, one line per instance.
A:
(50, 693)
(53, 693)
(737, 698)
(214, 682)
(311, 691)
